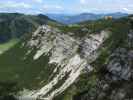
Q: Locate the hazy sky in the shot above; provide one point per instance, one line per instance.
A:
(66, 6)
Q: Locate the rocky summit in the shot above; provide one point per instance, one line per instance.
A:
(62, 50)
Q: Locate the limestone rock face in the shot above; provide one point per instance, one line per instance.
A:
(116, 82)
(63, 51)
(120, 64)
(73, 56)
(119, 76)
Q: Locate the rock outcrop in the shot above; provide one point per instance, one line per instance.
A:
(63, 51)
(116, 83)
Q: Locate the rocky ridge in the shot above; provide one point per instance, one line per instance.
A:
(115, 83)
(70, 56)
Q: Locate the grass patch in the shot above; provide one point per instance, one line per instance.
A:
(6, 46)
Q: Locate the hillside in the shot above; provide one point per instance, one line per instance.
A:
(88, 61)
(15, 25)
(6, 46)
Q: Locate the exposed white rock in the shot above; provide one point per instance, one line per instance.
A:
(74, 67)
(63, 52)
(90, 45)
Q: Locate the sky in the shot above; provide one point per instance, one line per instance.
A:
(66, 6)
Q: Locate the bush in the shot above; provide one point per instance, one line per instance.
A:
(8, 90)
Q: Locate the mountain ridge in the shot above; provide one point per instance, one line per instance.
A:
(72, 19)
(82, 61)
(15, 25)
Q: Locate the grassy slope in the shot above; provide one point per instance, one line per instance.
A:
(15, 25)
(6, 46)
(13, 67)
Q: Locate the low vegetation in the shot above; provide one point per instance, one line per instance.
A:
(6, 46)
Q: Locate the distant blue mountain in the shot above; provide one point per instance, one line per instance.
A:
(71, 19)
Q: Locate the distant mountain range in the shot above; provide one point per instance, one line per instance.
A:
(71, 19)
